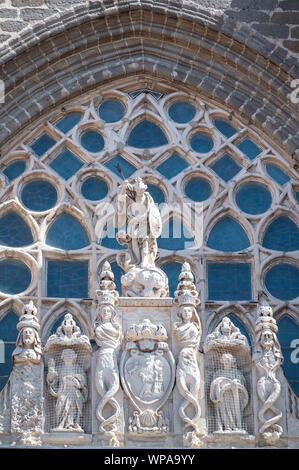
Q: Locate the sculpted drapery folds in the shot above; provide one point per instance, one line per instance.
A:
(267, 357)
(227, 351)
(229, 395)
(68, 353)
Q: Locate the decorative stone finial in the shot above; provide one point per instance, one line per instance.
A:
(186, 293)
(107, 293)
(29, 317)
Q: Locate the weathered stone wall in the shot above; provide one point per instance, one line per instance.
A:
(278, 20)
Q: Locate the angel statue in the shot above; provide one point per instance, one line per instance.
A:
(137, 212)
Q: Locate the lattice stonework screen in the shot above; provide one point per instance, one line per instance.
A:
(228, 199)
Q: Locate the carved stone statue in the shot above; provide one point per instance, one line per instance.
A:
(69, 355)
(24, 390)
(147, 374)
(227, 387)
(229, 395)
(69, 386)
(188, 333)
(137, 211)
(108, 337)
(267, 358)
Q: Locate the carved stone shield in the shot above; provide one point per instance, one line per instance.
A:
(147, 377)
(155, 221)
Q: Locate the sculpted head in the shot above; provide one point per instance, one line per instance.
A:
(28, 337)
(68, 356)
(267, 339)
(228, 361)
(106, 313)
(68, 325)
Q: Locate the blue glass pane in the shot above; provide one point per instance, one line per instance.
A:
(297, 196)
(14, 231)
(172, 166)
(201, 143)
(94, 188)
(66, 164)
(146, 134)
(3, 381)
(172, 270)
(253, 198)
(8, 327)
(228, 235)
(92, 141)
(67, 233)
(282, 235)
(118, 272)
(39, 195)
(42, 144)
(111, 110)
(68, 122)
(14, 169)
(241, 327)
(288, 331)
(282, 281)
(175, 236)
(15, 276)
(109, 238)
(118, 161)
(277, 174)
(249, 148)
(6, 365)
(58, 322)
(198, 189)
(156, 193)
(182, 112)
(229, 281)
(226, 167)
(225, 128)
(67, 279)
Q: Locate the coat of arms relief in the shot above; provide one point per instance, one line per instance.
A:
(147, 369)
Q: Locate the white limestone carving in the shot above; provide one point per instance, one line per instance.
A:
(108, 338)
(69, 355)
(229, 394)
(188, 332)
(226, 334)
(136, 209)
(227, 387)
(147, 371)
(267, 358)
(22, 396)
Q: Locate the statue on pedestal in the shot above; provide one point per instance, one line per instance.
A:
(267, 358)
(137, 211)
